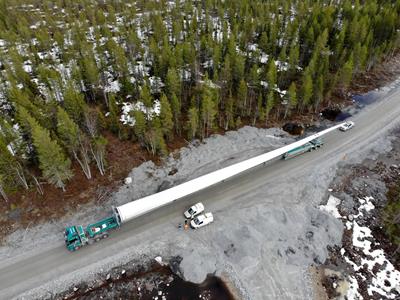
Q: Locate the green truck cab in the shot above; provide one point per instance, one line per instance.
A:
(75, 237)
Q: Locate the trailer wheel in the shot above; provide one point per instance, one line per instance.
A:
(77, 248)
(97, 239)
(105, 236)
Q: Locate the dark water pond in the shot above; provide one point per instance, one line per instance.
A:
(156, 283)
(360, 101)
(213, 288)
(343, 116)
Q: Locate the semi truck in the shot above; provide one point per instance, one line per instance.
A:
(307, 147)
(79, 236)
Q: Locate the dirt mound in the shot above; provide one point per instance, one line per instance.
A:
(294, 128)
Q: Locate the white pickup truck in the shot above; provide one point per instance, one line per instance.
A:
(202, 220)
(346, 126)
(194, 211)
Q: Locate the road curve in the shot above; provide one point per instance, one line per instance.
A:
(25, 273)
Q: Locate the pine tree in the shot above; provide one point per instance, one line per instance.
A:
(269, 105)
(307, 90)
(74, 103)
(121, 63)
(263, 42)
(21, 99)
(271, 75)
(318, 92)
(346, 73)
(140, 125)
(113, 118)
(146, 98)
(238, 68)
(67, 130)
(259, 109)
(294, 54)
(229, 113)
(208, 112)
(176, 111)
(154, 138)
(172, 83)
(74, 140)
(90, 75)
(54, 165)
(166, 117)
(7, 165)
(242, 97)
(292, 99)
(13, 154)
(193, 122)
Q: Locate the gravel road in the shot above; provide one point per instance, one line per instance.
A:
(267, 230)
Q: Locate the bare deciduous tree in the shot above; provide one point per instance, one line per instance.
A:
(91, 117)
(2, 191)
(82, 156)
(21, 176)
(98, 149)
(38, 185)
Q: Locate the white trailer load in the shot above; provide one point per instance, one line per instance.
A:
(131, 210)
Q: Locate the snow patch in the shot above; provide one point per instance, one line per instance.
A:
(150, 112)
(352, 292)
(385, 278)
(264, 58)
(331, 207)
(112, 87)
(282, 65)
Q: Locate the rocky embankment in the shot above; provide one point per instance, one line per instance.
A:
(151, 280)
(365, 266)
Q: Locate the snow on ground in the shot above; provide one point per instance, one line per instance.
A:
(385, 278)
(282, 65)
(263, 58)
(127, 109)
(112, 87)
(331, 207)
(352, 292)
(156, 84)
(365, 206)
